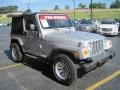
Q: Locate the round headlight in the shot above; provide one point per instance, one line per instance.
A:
(83, 45)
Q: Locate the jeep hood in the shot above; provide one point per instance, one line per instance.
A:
(71, 38)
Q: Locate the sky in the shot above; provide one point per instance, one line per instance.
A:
(37, 5)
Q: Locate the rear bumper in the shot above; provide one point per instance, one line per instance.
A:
(98, 62)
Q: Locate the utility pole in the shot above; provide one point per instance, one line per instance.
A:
(28, 8)
(91, 14)
(74, 7)
(29, 5)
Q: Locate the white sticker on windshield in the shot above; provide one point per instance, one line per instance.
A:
(44, 23)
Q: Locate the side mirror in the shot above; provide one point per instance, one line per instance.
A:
(32, 27)
(117, 23)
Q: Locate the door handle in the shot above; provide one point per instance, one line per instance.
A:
(38, 35)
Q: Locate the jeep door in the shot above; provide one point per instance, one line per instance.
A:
(31, 36)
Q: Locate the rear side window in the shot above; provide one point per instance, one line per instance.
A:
(17, 25)
(30, 20)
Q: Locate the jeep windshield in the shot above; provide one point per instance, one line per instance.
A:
(55, 21)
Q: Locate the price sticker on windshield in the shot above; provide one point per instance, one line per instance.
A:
(44, 23)
(51, 17)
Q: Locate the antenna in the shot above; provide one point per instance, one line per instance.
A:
(29, 5)
(28, 8)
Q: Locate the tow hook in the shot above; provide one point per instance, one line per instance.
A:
(112, 55)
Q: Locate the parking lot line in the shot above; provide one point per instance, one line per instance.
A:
(11, 66)
(1, 51)
(105, 80)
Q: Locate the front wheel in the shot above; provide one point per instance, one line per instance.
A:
(64, 69)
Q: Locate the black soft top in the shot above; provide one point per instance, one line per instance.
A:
(41, 13)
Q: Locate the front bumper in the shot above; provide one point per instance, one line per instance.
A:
(109, 33)
(97, 61)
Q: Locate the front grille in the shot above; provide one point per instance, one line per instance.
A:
(96, 46)
(83, 28)
(107, 29)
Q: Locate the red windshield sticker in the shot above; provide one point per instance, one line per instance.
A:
(54, 17)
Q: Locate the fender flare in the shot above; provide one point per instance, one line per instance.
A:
(18, 41)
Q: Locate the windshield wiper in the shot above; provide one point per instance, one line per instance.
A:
(62, 26)
(52, 28)
(68, 27)
(55, 29)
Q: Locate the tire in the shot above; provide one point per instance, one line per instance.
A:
(66, 73)
(16, 53)
(119, 34)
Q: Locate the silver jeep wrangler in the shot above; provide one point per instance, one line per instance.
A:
(53, 37)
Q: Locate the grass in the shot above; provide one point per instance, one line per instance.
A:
(81, 13)
(115, 13)
(4, 19)
(97, 13)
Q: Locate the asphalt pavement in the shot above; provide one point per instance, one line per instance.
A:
(35, 75)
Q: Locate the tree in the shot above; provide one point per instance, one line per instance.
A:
(98, 5)
(28, 11)
(8, 9)
(81, 6)
(115, 4)
(67, 7)
(56, 7)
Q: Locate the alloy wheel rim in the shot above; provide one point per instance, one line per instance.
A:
(62, 70)
(14, 54)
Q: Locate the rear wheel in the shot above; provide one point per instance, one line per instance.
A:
(16, 53)
(64, 69)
